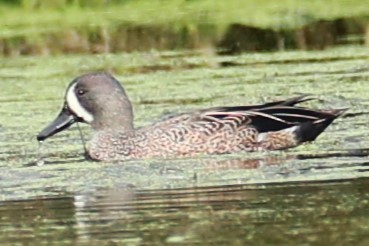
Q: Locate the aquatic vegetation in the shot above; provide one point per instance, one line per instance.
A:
(241, 197)
(33, 87)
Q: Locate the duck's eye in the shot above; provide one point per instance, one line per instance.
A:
(80, 92)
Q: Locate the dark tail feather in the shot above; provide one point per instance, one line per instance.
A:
(289, 102)
(309, 131)
(295, 100)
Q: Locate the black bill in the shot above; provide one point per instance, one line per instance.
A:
(64, 120)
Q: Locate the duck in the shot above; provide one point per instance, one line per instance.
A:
(99, 100)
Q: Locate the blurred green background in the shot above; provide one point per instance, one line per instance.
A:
(100, 26)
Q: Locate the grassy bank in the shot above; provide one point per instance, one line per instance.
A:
(44, 23)
(259, 13)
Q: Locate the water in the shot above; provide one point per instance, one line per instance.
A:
(279, 214)
(313, 194)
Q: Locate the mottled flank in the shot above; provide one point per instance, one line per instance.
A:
(101, 98)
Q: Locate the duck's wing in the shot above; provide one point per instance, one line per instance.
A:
(175, 117)
(306, 123)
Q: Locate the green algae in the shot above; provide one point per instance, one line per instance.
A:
(33, 90)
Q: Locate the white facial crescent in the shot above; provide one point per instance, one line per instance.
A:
(76, 106)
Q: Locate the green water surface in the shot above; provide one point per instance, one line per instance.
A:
(316, 193)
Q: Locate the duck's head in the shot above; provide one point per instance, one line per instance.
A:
(97, 99)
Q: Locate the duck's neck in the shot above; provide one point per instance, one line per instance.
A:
(114, 117)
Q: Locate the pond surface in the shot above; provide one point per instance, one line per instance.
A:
(316, 193)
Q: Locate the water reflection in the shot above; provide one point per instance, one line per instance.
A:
(74, 175)
(260, 199)
(295, 213)
(239, 163)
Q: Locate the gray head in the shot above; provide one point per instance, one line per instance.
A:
(97, 99)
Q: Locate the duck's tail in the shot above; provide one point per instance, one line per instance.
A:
(310, 130)
(300, 132)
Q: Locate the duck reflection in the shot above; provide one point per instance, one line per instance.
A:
(240, 163)
(126, 215)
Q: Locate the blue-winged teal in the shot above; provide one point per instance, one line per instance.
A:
(99, 100)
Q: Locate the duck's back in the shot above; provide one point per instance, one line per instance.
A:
(272, 126)
(189, 135)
